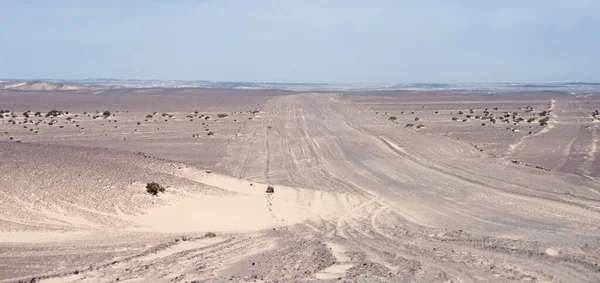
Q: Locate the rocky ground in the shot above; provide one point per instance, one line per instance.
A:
(360, 195)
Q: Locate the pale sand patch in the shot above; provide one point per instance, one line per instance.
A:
(552, 251)
(513, 237)
(206, 213)
(339, 269)
(69, 278)
(248, 209)
(334, 271)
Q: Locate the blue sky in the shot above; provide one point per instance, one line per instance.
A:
(302, 41)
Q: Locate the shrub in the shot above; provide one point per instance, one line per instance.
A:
(270, 190)
(222, 115)
(210, 235)
(154, 188)
(392, 118)
(106, 113)
(54, 113)
(417, 118)
(409, 125)
(149, 116)
(420, 126)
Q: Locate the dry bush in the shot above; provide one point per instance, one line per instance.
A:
(154, 188)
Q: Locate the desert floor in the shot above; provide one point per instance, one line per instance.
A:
(394, 186)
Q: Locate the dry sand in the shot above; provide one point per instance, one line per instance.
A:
(358, 196)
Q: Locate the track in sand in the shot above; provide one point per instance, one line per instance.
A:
(357, 197)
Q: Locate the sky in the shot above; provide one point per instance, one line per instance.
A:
(334, 41)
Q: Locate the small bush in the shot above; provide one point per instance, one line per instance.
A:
(392, 118)
(270, 190)
(106, 113)
(210, 235)
(410, 125)
(149, 116)
(54, 113)
(417, 118)
(222, 115)
(154, 188)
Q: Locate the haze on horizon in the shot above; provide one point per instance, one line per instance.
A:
(302, 41)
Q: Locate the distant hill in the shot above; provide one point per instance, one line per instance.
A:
(38, 86)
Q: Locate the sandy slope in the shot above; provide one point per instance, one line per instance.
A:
(357, 197)
(569, 144)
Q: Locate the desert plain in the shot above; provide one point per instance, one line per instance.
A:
(374, 186)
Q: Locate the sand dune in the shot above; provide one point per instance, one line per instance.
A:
(358, 196)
